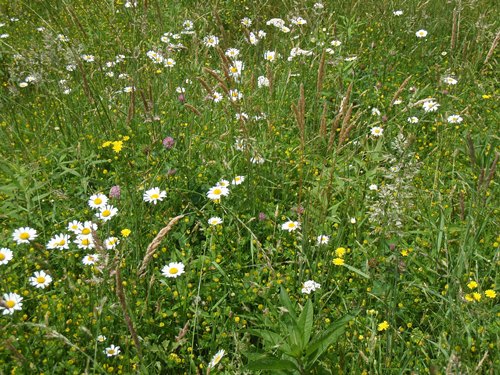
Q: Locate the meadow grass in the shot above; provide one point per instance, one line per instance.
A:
(327, 194)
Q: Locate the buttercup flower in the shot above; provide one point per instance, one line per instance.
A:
(154, 195)
(5, 255)
(173, 270)
(383, 326)
(11, 303)
(290, 225)
(40, 280)
(24, 235)
(216, 358)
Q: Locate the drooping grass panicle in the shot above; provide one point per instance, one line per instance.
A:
(155, 243)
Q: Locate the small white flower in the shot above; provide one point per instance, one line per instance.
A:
(262, 81)
(430, 106)
(377, 131)
(217, 192)
(173, 269)
(97, 201)
(353, 220)
(154, 195)
(112, 351)
(398, 12)
(421, 33)
(91, 259)
(375, 112)
(211, 40)
(101, 338)
(373, 187)
(455, 119)
(24, 235)
(290, 225)
(270, 56)
(88, 58)
(111, 242)
(107, 212)
(11, 303)
(413, 120)
(238, 180)
(247, 22)
(59, 241)
(215, 221)
(322, 239)
(216, 358)
(5, 255)
(40, 280)
(450, 80)
(336, 43)
(310, 286)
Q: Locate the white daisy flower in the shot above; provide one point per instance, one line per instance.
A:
(5, 255)
(216, 192)
(215, 221)
(455, 119)
(107, 212)
(111, 242)
(11, 303)
(40, 280)
(59, 241)
(430, 106)
(322, 239)
(290, 225)
(421, 33)
(173, 269)
(24, 235)
(216, 358)
(154, 195)
(90, 259)
(238, 180)
(377, 131)
(87, 228)
(84, 242)
(112, 351)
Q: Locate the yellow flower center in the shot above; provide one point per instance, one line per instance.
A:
(111, 351)
(217, 191)
(155, 196)
(98, 201)
(10, 304)
(24, 236)
(291, 225)
(86, 231)
(106, 213)
(85, 241)
(173, 271)
(62, 242)
(2, 256)
(40, 279)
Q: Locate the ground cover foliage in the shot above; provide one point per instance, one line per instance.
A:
(292, 187)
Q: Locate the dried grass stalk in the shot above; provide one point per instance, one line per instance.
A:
(472, 152)
(454, 29)
(322, 122)
(333, 131)
(218, 78)
(192, 108)
(155, 243)
(131, 108)
(205, 85)
(400, 89)
(492, 48)
(321, 75)
(182, 332)
(120, 293)
(492, 171)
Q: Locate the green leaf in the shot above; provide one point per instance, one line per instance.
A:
(267, 362)
(358, 271)
(305, 322)
(319, 345)
(271, 338)
(285, 300)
